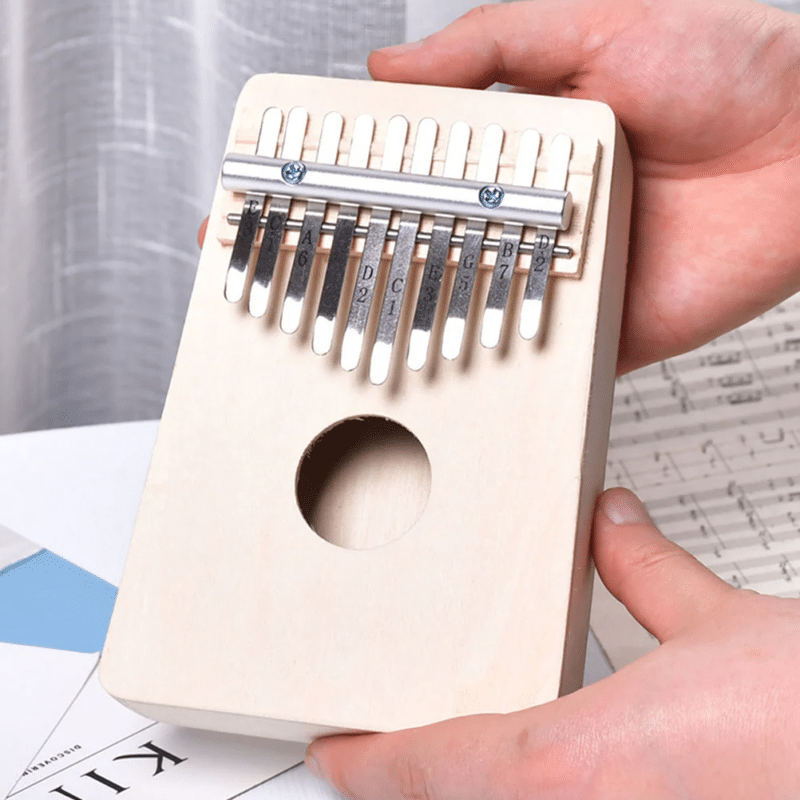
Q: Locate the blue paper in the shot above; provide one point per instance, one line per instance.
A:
(46, 601)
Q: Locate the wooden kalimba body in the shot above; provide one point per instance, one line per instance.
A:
(369, 503)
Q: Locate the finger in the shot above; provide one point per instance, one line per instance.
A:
(201, 233)
(539, 45)
(460, 759)
(665, 588)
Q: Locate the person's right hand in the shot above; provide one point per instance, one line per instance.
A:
(710, 714)
(709, 96)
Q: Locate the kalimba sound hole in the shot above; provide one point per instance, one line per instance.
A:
(364, 482)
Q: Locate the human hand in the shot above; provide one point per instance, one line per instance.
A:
(709, 96)
(711, 713)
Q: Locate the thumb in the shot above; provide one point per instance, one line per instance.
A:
(540, 45)
(665, 588)
(467, 758)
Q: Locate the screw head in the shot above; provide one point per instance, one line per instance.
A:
(491, 196)
(293, 172)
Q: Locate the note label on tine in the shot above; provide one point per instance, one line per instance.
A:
(252, 209)
(438, 252)
(308, 238)
(339, 258)
(397, 280)
(369, 266)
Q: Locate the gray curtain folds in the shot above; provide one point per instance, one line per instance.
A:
(114, 117)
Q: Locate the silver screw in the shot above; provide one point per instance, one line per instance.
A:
(293, 172)
(491, 196)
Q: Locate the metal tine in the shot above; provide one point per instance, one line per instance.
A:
(458, 310)
(252, 209)
(455, 161)
(363, 293)
(421, 162)
(557, 174)
(291, 150)
(307, 242)
(497, 299)
(339, 257)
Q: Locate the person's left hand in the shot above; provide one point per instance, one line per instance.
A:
(711, 713)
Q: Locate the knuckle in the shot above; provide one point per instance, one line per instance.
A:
(536, 768)
(651, 557)
(479, 13)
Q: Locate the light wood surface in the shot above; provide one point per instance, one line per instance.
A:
(449, 571)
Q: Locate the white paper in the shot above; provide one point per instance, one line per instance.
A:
(36, 687)
(295, 784)
(76, 491)
(99, 742)
(14, 547)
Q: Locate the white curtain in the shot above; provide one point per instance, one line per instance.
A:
(113, 115)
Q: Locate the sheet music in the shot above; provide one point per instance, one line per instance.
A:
(710, 441)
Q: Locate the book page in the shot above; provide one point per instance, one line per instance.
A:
(710, 441)
(37, 686)
(100, 746)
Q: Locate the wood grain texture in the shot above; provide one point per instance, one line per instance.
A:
(233, 614)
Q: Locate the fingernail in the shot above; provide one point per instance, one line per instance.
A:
(313, 766)
(401, 49)
(623, 507)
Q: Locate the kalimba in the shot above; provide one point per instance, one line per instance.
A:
(370, 499)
